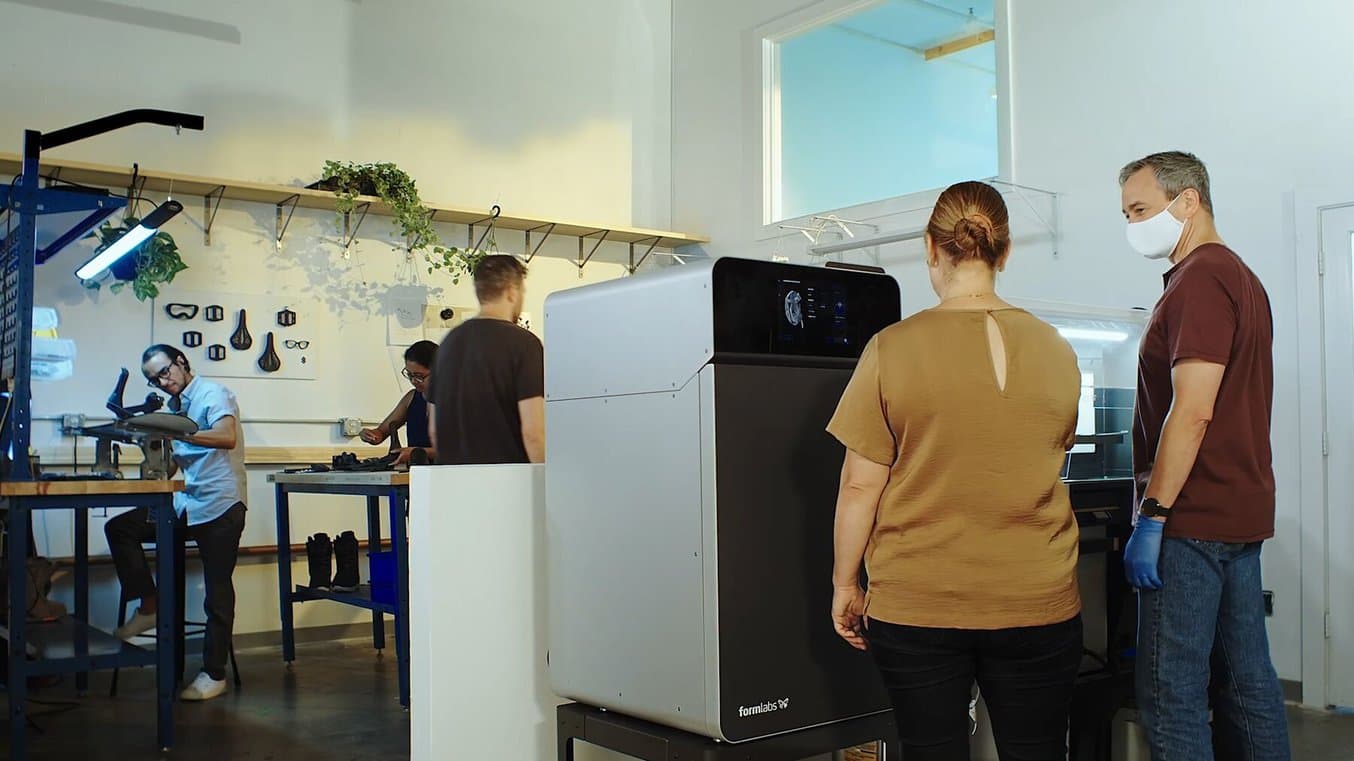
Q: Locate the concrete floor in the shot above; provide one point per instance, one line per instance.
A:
(337, 703)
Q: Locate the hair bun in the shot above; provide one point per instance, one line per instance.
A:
(974, 233)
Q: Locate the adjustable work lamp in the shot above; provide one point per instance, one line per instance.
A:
(129, 240)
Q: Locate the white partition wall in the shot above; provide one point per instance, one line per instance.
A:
(477, 614)
(478, 634)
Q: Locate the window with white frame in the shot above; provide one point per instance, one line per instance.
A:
(881, 99)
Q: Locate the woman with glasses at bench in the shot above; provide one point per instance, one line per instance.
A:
(412, 412)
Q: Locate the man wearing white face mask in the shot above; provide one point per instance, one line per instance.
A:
(1201, 458)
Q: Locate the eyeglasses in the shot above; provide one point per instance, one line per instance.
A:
(155, 381)
(415, 377)
(290, 344)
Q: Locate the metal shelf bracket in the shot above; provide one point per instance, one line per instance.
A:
(653, 243)
(209, 210)
(583, 260)
(280, 225)
(350, 229)
(549, 228)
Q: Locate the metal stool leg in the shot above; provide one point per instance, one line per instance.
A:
(122, 619)
(234, 665)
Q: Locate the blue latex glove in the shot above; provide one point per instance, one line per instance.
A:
(1142, 553)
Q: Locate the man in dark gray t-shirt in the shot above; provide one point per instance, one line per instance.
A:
(488, 386)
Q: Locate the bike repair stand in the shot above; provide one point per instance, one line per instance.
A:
(653, 742)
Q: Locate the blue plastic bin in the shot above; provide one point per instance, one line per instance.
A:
(383, 583)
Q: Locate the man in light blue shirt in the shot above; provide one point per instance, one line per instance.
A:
(211, 511)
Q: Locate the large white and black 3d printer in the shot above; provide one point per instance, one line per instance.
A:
(691, 489)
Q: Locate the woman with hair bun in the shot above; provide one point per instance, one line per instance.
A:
(956, 424)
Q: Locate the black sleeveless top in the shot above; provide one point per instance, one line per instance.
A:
(416, 422)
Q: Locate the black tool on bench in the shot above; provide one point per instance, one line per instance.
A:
(316, 468)
(348, 462)
(143, 425)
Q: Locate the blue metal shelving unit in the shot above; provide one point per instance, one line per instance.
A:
(68, 645)
(26, 199)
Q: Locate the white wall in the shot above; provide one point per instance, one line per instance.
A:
(272, 80)
(1251, 90)
(1205, 77)
(547, 108)
(550, 109)
(546, 111)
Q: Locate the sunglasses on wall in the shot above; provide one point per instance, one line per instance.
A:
(291, 344)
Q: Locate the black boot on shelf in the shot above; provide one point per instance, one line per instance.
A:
(320, 553)
(345, 557)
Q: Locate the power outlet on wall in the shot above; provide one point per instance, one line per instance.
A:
(351, 426)
(72, 420)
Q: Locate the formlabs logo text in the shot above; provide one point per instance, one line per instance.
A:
(768, 707)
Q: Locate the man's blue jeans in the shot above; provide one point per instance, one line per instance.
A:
(1202, 642)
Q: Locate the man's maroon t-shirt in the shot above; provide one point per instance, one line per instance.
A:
(1213, 309)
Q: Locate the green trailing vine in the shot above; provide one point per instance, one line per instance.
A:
(412, 218)
(157, 261)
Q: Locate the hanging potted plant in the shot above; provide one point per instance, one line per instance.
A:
(153, 264)
(412, 218)
(392, 185)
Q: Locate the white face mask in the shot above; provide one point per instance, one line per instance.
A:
(1156, 236)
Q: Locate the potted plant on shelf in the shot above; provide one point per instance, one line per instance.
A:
(153, 264)
(413, 219)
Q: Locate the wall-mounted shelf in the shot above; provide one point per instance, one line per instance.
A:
(287, 198)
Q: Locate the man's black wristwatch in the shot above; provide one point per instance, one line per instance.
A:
(1150, 508)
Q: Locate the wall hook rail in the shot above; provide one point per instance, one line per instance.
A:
(470, 241)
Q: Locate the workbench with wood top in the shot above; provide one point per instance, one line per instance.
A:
(69, 644)
(392, 485)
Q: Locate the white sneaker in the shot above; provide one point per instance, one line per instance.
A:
(140, 624)
(204, 688)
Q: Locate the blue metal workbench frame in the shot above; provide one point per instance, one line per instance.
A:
(397, 496)
(70, 645)
(89, 649)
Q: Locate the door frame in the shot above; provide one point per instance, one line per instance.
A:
(1308, 206)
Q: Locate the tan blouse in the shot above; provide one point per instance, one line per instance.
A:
(974, 528)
